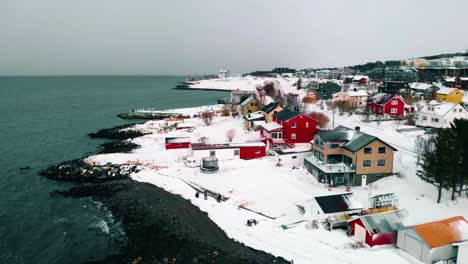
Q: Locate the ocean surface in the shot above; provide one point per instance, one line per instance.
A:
(45, 120)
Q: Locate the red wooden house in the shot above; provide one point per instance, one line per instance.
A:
(228, 151)
(177, 142)
(377, 229)
(393, 105)
(297, 127)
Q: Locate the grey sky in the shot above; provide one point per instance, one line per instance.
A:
(202, 36)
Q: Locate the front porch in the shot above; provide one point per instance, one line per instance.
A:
(334, 174)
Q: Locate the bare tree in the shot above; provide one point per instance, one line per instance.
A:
(419, 145)
(322, 119)
(203, 140)
(207, 117)
(230, 134)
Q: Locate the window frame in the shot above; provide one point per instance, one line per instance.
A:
(293, 136)
(364, 163)
(367, 151)
(384, 150)
(380, 164)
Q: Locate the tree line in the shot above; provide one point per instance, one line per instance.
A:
(443, 158)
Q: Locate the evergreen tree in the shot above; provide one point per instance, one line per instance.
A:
(459, 129)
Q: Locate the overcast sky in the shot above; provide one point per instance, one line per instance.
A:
(201, 36)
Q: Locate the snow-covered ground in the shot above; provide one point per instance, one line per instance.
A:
(248, 83)
(275, 191)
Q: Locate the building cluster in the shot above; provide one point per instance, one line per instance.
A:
(347, 157)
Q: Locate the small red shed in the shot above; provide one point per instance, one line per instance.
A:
(177, 142)
(377, 229)
(251, 150)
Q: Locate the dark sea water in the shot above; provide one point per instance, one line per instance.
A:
(43, 121)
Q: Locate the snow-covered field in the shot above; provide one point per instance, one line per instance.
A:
(275, 191)
(248, 83)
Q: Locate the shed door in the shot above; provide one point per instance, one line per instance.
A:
(360, 233)
(413, 246)
(364, 180)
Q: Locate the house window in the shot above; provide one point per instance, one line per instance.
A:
(293, 125)
(339, 179)
(436, 120)
(276, 135)
(212, 153)
(393, 110)
(381, 162)
(236, 152)
(366, 163)
(307, 124)
(424, 118)
(252, 104)
(459, 110)
(394, 102)
(257, 152)
(367, 150)
(293, 136)
(454, 110)
(382, 150)
(179, 145)
(333, 146)
(294, 157)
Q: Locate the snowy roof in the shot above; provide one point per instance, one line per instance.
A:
(420, 86)
(450, 79)
(384, 222)
(338, 203)
(177, 140)
(271, 126)
(292, 150)
(440, 108)
(248, 100)
(446, 90)
(203, 146)
(185, 125)
(255, 116)
(359, 77)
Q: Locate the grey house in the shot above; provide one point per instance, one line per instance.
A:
(435, 241)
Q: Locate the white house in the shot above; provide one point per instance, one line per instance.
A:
(440, 114)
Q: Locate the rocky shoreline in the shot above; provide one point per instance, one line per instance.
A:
(160, 227)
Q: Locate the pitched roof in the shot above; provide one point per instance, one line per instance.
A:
(338, 203)
(420, 86)
(248, 100)
(445, 90)
(286, 114)
(271, 126)
(336, 135)
(270, 107)
(384, 222)
(355, 140)
(440, 108)
(359, 141)
(443, 232)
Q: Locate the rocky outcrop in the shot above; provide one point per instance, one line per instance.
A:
(118, 132)
(81, 172)
(150, 115)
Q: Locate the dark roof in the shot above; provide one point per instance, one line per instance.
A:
(355, 140)
(285, 115)
(336, 135)
(359, 141)
(338, 203)
(270, 107)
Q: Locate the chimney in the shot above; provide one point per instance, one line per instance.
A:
(357, 128)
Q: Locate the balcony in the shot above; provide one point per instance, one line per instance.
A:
(330, 168)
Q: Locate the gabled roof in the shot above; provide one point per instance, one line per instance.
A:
(286, 114)
(255, 116)
(448, 90)
(359, 141)
(420, 86)
(443, 232)
(271, 126)
(338, 203)
(355, 140)
(384, 222)
(247, 101)
(336, 135)
(270, 107)
(440, 108)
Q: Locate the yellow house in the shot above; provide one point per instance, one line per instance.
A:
(250, 105)
(451, 95)
(270, 109)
